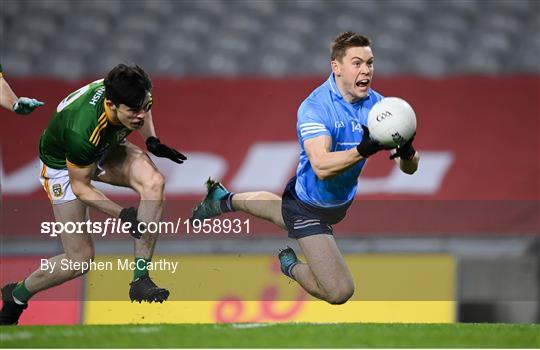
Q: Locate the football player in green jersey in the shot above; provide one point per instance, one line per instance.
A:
(86, 140)
(19, 105)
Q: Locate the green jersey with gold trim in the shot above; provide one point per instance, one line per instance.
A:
(80, 131)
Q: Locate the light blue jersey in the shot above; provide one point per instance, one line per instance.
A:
(325, 112)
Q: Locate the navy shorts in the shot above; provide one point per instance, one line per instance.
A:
(303, 219)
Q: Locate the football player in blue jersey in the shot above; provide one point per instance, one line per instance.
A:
(334, 146)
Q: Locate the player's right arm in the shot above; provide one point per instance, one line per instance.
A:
(81, 164)
(81, 161)
(313, 131)
(314, 134)
(328, 164)
(80, 178)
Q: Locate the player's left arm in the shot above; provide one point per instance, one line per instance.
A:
(406, 157)
(148, 130)
(409, 166)
(154, 145)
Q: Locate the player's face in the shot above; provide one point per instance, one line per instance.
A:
(133, 118)
(354, 73)
(130, 118)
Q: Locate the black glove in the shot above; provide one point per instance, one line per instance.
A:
(368, 146)
(130, 215)
(405, 151)
(158, 149)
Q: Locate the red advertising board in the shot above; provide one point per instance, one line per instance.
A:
(53, 306)
(478, 137)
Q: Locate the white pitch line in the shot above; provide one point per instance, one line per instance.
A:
(144, 329)
(252, 325)
(16, 336)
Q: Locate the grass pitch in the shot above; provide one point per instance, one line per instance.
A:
(296, 335)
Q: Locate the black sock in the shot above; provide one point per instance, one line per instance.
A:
(226, 203)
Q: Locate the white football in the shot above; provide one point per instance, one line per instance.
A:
(392, 122)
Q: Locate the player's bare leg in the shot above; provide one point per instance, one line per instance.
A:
(262, 204)
(218, 199)
(129, 166)
(325, 275)
(78, 247)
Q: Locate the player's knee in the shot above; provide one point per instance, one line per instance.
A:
(155, 183)
(151, 181)
(81, 253)
(340, 294)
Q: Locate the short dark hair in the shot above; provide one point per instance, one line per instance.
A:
(127, 85)
(345, 40)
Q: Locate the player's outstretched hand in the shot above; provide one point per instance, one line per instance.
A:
(406, 151)
(159, 149)
(130, 215)
(25, 105)
(368, 146)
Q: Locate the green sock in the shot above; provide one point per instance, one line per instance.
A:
(21, 293)
(141, 268)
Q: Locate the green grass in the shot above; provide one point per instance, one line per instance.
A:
(297, 335)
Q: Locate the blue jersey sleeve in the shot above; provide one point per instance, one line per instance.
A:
(311, 121)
